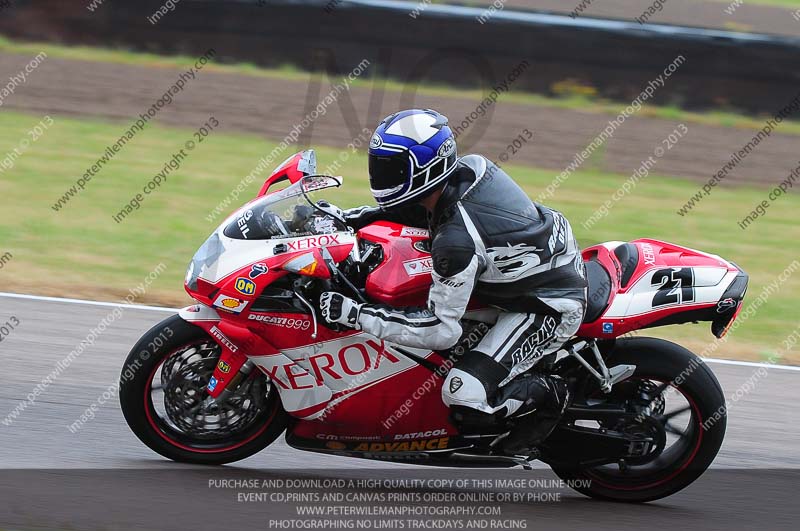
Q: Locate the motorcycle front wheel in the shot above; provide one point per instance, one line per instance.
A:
(165, 403)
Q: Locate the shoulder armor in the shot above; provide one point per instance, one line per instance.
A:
(452, 250)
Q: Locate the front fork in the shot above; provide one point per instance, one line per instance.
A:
(233, 366)
(233, 383)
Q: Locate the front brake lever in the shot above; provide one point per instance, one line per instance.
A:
(338, 276)
(326, 286)
(311, 308)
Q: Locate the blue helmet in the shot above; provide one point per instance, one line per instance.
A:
(411, 153)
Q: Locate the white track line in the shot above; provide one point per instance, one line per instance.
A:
(753, 364)
(88, 303)
(173, 310)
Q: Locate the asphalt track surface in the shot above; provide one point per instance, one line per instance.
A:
(102, 477)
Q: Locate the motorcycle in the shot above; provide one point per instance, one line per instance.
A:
(225, 377)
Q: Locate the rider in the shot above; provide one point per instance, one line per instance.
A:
(490, 241)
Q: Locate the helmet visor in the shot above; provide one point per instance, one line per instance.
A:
(388, 176)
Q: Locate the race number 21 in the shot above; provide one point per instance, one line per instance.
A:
(674, 286)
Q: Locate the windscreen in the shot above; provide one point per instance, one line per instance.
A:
(282, 215)
(267, 218)
(286, 213)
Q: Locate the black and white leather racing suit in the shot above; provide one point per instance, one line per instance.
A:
(489, 240)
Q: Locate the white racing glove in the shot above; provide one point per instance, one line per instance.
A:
(331, 209)
(336, 308)
(327, 224)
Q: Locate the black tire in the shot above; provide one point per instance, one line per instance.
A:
(666, 362)
(137, 405)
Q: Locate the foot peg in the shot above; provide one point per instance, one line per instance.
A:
(617, 373)
(607, 377)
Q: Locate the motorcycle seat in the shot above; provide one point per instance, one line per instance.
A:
(599, 291)
(628, 256)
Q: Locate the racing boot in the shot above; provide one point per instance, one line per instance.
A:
(546, 398)
(473, 422)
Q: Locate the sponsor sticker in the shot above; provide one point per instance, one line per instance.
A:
(414, 232)
(224, 366)
(229, 304)
(258, 269)
(420, 266)
(408, 446)
(726, 304)
(359, 438)
(241, 222)
(216, 332)
(649, 254)
(608, 328)
(286, 322)
(313, 242)
(212, 384)
(343, 359)
(245, 286)
(335, 445)
(420, 434)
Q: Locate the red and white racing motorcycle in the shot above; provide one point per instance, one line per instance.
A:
(252, 359)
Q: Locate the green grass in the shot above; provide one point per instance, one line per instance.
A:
(572, 98)
(81, 252)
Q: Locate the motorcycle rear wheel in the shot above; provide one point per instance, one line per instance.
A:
(178, 358)
(669, 366)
